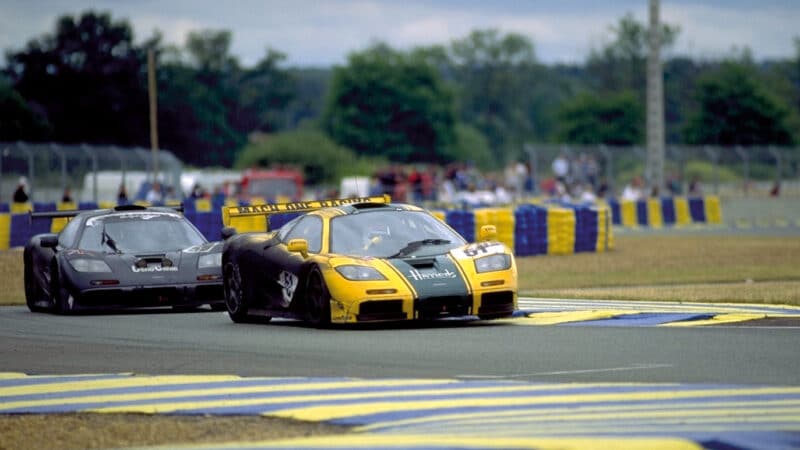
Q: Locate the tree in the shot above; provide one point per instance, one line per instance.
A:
(87, 78)
(734, 109)
(620, 64)
(385, 103)
(264, 93)
(612, 119)
(18, 122)
(497, 78)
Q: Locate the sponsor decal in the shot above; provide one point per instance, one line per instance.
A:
(416, 275)
(288, 281)
(301, 206)
(154, 269)
(143, 215)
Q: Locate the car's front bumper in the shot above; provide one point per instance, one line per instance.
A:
(119, 297)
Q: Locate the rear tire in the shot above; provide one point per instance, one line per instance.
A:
(237, 297)
(318, 300)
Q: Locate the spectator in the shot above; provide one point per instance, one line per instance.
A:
(122, 195)
(694, 187)
(587, 193)
(154, 195)
(633, 191)
(776, 189)
(21, 194)
(560, 168)
(66, 196)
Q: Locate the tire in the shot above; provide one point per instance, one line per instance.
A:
(318, 300)
(63, 300)
(35, 296)
(237, 300)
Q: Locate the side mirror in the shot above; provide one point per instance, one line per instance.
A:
(49, 241)
(298, 246)
(488, 233)
(227, 232)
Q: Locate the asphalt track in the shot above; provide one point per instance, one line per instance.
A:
(563, 373)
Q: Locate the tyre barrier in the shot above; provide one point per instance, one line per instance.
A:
(666, 211)
(528, 229)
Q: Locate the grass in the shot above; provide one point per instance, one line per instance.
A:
(670, 267)
(653, 267)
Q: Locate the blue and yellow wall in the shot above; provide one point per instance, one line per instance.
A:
(529, 229)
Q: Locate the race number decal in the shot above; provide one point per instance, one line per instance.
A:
(288, 282)
(480, 249)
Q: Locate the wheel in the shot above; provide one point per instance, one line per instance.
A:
(35, 296)
(237, 300)
(63, 300)
(318, 300)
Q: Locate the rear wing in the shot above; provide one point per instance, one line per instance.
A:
(74, 212)
(233, 212)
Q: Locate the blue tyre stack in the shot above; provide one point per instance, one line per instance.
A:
(586, 228)
(530, 230)
(463, 222)
(697, 209)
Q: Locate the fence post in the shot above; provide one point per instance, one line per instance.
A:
(713, 153)
(62, 155)
(778, 164)
(609, 163)
(31, 169)
(93, 156)
(746, 160)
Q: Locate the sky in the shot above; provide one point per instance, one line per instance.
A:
(324, 32)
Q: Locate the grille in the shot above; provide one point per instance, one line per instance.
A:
(434, 307)
(497, 304)
(381, 310)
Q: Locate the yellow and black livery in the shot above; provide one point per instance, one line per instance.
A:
(363, 260)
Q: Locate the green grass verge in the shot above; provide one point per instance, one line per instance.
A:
(670, 267)
(653, 267)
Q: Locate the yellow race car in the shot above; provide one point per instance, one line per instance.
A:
(363, 260)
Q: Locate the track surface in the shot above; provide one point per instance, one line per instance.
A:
(209, 343)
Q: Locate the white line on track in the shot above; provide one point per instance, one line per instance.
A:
(642, 366)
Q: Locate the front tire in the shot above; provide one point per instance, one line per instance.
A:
(318, 300)
(63, 300)
(35, 296)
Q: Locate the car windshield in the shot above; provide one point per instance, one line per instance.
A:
(391, 233)
(140, 233)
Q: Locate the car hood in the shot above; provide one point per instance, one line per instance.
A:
(432, 276)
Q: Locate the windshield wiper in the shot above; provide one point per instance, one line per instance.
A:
(414, 245)
(108, 240)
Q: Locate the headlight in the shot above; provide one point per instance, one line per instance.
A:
(89, 265)
(492, 263)
(359, 273)
(209, 261)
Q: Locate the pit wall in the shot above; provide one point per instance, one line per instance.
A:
(542, 228)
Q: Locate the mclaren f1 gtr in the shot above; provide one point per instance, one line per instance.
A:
(128, 256)
(363, 260)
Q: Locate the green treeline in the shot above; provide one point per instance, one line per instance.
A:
(478, 98)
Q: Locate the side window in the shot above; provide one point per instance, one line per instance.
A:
(68, 234)
(308, 228)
